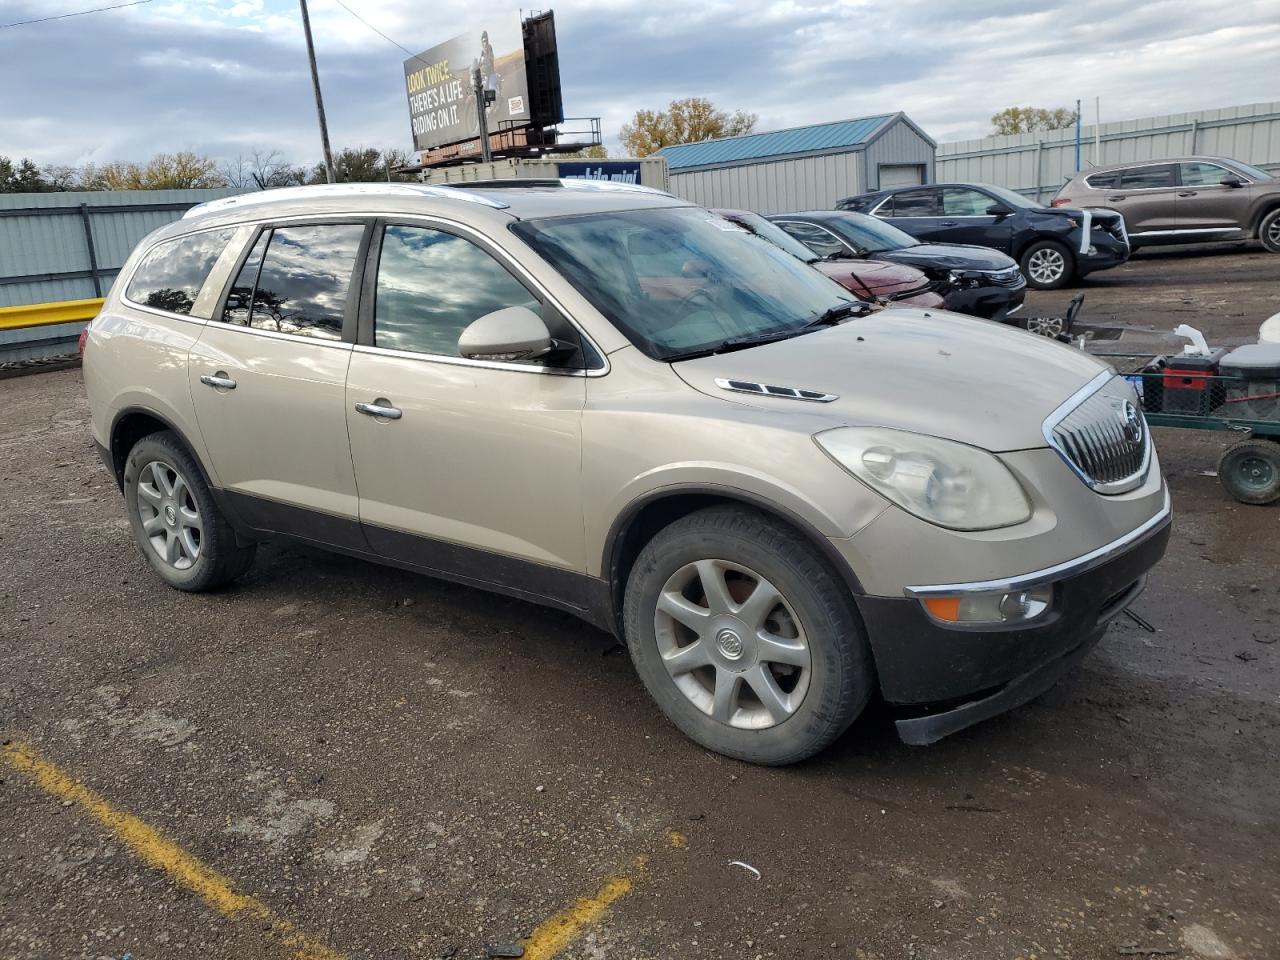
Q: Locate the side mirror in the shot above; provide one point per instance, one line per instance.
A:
(512, 333)
(998, 210)
(1231, 182)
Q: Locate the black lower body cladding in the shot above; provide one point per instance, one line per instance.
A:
(991, 302)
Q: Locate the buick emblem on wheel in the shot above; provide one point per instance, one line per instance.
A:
(730, 644)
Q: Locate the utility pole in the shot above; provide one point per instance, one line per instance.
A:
(1097, 131)
(1077, 136)
(482, 112)
(329, 173)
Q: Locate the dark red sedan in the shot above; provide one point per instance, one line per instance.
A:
(870, 280)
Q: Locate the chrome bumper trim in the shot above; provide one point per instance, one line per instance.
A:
(1060, 571)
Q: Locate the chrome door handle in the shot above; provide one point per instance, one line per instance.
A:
(219, 380)
(1187, 193)
(949, 223)
(379, 408)
(1120, 197)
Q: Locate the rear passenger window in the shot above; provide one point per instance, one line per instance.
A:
(169, 278)
(296, 280)
(432, 285)
(917, 203)
(1147, 178)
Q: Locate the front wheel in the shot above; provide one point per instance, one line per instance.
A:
(745, 638)
(1269, 231)
(175, 520)
(1047, 265)
(1250, 471)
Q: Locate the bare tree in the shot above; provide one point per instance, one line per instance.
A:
(684, 121)
(262, 169)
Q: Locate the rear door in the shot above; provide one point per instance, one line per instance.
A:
(268, 379)
(965, 220)
(477, 472)
(918, 212)
(1205, 204)
(1147, 196)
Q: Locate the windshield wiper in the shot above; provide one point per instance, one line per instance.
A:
(837, 313)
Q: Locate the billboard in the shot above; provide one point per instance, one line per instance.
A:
(614, 171)
(442, 102)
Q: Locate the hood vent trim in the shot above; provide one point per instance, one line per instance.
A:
(771, 390)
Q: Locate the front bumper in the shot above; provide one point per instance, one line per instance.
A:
(948, 677)
(1108, 252)
(990, 302)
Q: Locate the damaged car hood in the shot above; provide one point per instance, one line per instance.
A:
(929, 372)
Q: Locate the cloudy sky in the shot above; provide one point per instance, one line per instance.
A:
(228, 76)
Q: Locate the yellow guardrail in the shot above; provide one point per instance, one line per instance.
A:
(47, 314)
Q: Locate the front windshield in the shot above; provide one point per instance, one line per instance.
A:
(681, 280)
(870, 234)
(1010, 198)
(770, 231)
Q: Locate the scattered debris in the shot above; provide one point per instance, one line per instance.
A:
(971, 808)
(1245, 656)
(503, 950)
(1144, 624)
(745, 866)
(539, 788)
(1133, 950)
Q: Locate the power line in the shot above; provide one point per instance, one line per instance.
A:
(79, 13)
(373, 28)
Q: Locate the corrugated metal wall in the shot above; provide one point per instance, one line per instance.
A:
(37, 246)
(899, 144)
(1037, 164)
(775, 186)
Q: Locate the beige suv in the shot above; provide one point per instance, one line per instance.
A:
(613, 402)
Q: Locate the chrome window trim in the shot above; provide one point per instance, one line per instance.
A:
(467, 362)
(1169, 233)
(278, 335)
(1120, 168)
(1058, 571)
(1066, 408)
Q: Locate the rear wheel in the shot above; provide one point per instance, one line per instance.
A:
(175, 520)
(745, 638)
(1269, 231)
(1047, 265)
(1250, 471)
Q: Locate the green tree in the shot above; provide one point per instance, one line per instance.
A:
(596, 151)
(365, 165)
(684, 121)
(1031, 119)
(22, 177)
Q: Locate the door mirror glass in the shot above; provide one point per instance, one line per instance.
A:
(998, 210)
(510, 335)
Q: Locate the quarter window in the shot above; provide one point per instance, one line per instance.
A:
(915, 203)
(820, 241)
(297, 281)
(432, 285)
(1147, 178)
(1204, 175)
(170, 276)
(1104, 181)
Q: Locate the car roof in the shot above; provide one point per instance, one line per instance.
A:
(475, 201)
(1108, 167)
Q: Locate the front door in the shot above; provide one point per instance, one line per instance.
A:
(268, 378)
(470, 469)
(1206, 204)
(965, 220)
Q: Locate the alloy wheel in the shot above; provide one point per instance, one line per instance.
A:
(732, 644)
(1273, 233)
(1047, 265)
(169, 513)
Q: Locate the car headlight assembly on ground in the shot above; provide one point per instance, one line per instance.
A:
(946, 483)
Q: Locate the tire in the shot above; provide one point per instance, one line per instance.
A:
(1047, 265)
(1250, 471)
(1269, 231)
(176, 522)
(817, 668)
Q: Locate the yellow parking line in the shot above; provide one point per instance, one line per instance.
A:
(562, 929)
(163, 854)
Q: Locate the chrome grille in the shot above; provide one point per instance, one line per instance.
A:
(1103, 437)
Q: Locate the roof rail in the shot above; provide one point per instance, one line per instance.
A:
(324, 190)
(570, 183)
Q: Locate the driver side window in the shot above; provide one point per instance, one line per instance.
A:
(820, 241)
(432, 285)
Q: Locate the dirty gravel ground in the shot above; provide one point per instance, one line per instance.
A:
(406, 768)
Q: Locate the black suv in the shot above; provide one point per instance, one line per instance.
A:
(972, 280)
(1053, 245)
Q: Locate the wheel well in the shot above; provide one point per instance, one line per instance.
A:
(1263, 213)
(636, 529)
(1034, 240)
(127, 431)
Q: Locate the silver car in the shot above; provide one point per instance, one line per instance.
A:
(610, 401)
(1184, 200)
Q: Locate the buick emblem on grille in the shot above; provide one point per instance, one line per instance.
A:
(1130, 421)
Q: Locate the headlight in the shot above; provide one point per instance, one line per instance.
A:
(951, 484)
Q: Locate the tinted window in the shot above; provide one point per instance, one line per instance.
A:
(1104, 181)
(297, 281)
(1146, 178)
(170, 276)
(914, 203)
(1204, 174)
(814, 237)
(963, 202)
(432, 285)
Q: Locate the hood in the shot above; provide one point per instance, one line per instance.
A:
(948, 256)
(929, 372)
(881, 279)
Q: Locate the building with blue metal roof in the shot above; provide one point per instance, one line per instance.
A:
(802, 168)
